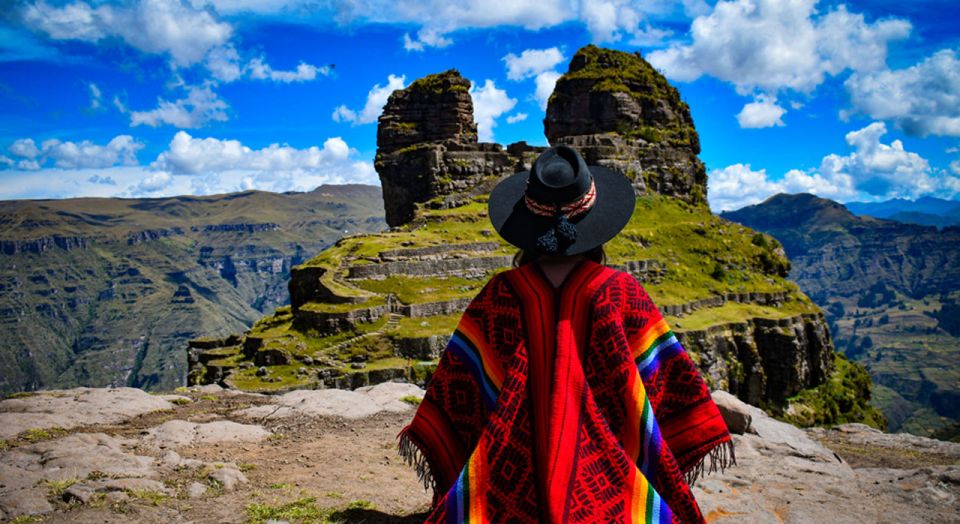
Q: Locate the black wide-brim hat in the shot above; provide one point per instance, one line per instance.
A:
(519, 205)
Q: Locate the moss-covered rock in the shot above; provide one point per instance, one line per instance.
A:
(618, 111)
(844, 397)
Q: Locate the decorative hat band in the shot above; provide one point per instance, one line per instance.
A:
(568, 210)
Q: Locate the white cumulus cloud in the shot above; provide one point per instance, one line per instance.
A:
(217, 165)
(426, 37)
(188, 165)
(187, 155)
(539, 64)
(168, 27)
(545, 82)
(519, 117)
(376, 99)
(226, 65)
(772, 45)
(436, 20)
(121, 150)
(489, 102)
(762, 112)
(200, 106)
(532, 62)
(874, 170)
(153, 182)
(96, 97)
(923, 99)
(260, 70)
(25, 147)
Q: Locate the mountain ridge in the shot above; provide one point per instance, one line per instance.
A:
(104, 291)
(889, 290)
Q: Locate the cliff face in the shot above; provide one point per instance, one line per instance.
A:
(103, 292)
(381, 307)
(764, 361)
(619, 112)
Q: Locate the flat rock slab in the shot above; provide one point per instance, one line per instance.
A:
(25, 470)
(784, 476)
(863, 434)
(360, 403)
(70, 408)
(175, 433)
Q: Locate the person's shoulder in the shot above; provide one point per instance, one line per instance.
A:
(496, 285)
(620, 278)
(625, 285)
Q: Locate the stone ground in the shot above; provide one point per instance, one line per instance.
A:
(211, 455)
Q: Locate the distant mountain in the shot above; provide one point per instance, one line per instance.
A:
(890, 290)
(927, 211)
(106, 291)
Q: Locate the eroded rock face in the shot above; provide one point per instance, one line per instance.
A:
(427, 148)
(619, 112)
(763, 360)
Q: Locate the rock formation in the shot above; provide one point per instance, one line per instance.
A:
(764, 360)
(619, 112)
(427, 148)
(375, 308)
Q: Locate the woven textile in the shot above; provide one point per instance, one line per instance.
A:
(569, 404)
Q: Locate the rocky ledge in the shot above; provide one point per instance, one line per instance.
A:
(207, 454)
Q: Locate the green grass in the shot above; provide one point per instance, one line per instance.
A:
(412, 400)
(154, 498)
(844, 397)
(26, 519)
(735, 312)
(55, 488)
(301, 511)
(414, 290)
(33, 435)
(318, 307)
(427, 326)
(247, 380)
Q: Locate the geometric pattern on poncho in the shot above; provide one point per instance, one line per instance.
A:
(574, 404)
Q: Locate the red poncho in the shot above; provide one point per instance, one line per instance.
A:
(569, 404)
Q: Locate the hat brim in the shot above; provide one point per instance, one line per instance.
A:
(521, 227)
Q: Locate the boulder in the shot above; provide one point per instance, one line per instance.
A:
(363, 402)
(735, 412)
(229, 478)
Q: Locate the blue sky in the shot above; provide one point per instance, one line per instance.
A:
(851, 101)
